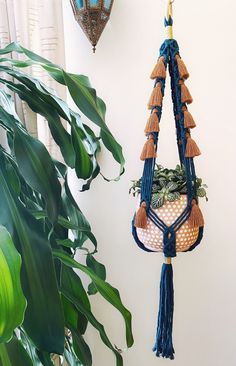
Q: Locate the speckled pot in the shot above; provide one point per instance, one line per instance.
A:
(152, 236)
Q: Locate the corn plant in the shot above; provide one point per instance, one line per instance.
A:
(44, 305)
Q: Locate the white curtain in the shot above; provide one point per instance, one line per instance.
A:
(38, 26)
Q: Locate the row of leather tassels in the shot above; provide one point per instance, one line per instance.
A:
(149, 150)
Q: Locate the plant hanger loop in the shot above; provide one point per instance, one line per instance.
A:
(169, 11)
(169, 19)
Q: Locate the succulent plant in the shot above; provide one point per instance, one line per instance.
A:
(168, 185)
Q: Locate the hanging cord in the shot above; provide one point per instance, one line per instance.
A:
(168, 19)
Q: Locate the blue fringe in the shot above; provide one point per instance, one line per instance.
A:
(164, 346)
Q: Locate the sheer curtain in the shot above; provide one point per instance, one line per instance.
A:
(37, 25)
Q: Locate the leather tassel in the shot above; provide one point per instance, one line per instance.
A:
(196, 218)
(156, 97)
(192, 149)
(159, 70)
(149, 149)
(152, 123)
(185, 93)
(183, 72)
(141, 217)
(188, 119)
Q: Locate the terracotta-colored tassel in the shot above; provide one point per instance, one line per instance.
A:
(196, 218)
(183, 72)
(192, 149)
(188, 119)
(141, 217)
(149, 149)
(159, 70)
(152, 123)
(156, 97)
(185, 93)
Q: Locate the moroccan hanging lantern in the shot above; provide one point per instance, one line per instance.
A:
(92, 16)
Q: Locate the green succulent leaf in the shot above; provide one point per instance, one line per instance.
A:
(201, 192)
(157, 200)
(171, 186)
(171, 197)
(162, 182)
(168, 185)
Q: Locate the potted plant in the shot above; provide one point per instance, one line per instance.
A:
(169, 199)
(45, 307)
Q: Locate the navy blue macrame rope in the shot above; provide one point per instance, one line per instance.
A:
(163, 345)
(169, 49)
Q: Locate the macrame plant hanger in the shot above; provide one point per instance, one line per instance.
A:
(191, 216)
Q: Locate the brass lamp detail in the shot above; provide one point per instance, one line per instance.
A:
(92, 16)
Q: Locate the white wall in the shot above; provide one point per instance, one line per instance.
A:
(205, 280)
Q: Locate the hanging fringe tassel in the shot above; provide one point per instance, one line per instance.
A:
(156, 97)
(183, 72)
(196, 218)
(164, 346)
(188, 119)
(185, 93)
(149, 149)
(152, 123)
(192, 149)
(159, 70)
(141, 217)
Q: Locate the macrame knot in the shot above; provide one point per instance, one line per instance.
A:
(152, 123)
(159, 70)
(192, 149)
(188, 118)
(185, 93)
(149, 149)
(141, 216)
(169, 247)
(183, 72)
(196, 218)
(156, 97)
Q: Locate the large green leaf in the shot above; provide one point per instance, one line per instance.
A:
(14, 354)
(45, 358)
(82, 229)
(83, 163)
(43, 321)
(42, 107)
(73, 318)
(98, 268)
(37, 168)
(72, 289)
(105, 289)
(81, 348)
(12, 300)
(81, 92)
